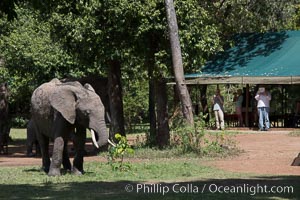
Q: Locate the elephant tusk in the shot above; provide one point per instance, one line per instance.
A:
(111, 143)
(108, 140)
(94, 138)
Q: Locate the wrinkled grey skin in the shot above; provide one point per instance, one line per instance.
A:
(4, 118)
(58, 109)
(31, 140)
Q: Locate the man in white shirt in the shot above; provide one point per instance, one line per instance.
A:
(263, 98)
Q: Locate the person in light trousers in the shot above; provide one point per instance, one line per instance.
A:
(263, 98)
(218, 102)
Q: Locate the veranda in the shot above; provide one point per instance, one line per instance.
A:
(270, 59)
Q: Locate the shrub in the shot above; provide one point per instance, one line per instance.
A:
(196, 139)
(117, 152)
(19, 122)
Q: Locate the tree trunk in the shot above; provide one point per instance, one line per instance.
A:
(115, 99)
(184, 95)
(163, 134)
(152, 113)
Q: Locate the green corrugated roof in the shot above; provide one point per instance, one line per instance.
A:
(257, 55)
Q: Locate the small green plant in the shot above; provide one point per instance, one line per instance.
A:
(214, 145)
(117, 152)
(196, 139)
(189, 138)
(19, 122)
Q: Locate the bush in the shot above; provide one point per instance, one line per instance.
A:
(196, 139)
(19, 122)
(117, 152)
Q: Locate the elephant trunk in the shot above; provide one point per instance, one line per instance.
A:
(99, 134)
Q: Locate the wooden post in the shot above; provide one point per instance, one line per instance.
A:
(247, 106)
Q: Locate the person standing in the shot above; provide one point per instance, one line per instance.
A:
(218, 102)
(238, 99)
(263, 98)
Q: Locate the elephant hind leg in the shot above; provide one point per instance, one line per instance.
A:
(44, 145)
(66, 160)
(56, 157)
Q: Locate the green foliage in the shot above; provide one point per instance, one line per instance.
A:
(196, 139)
(29, 50)
(294, 24)
(188, 138)
(19, 122)
(214, 146)
(135, 102)
(29, 56)
(116, 154)
(199, 37)
(249, 16)
(79, 38)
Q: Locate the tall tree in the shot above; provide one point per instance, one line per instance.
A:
(184, 95)
(115, 98)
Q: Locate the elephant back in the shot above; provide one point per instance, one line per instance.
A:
(40, 103)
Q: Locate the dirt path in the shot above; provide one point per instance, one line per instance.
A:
(264, 153)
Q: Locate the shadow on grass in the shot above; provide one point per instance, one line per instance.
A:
(17, 148)
(279, 187)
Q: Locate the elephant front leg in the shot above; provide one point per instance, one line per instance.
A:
(79, 144)
(56, 157)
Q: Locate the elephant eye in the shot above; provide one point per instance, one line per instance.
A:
(87, 112)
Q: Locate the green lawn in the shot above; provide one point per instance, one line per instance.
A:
(156, 178)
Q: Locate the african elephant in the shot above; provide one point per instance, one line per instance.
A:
(59, 109)
(4, 117)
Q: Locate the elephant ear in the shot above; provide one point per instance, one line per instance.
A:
(64, 101)
(89, 87)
